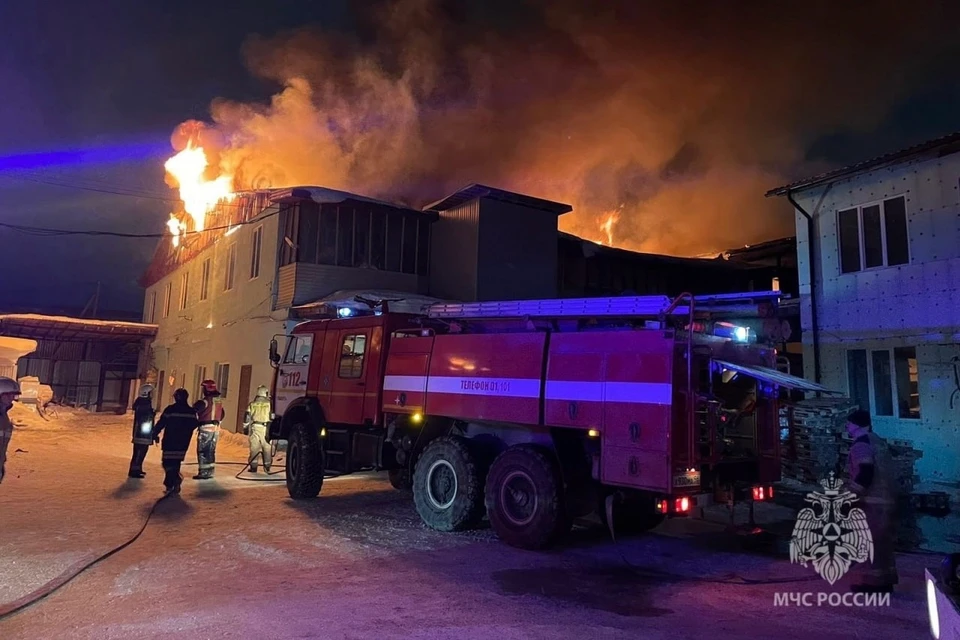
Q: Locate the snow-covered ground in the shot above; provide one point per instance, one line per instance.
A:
(236, 559)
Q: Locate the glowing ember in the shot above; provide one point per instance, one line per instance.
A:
(199, 195)
(610, 219)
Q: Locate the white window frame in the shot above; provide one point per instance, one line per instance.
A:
(230, 270)
(153, 307)
(222, 384)
(883, 234)
(167, 294)
(872, 385)
(205, 269)
(256, 252)
(184, 289)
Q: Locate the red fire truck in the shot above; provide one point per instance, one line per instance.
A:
(536, 412)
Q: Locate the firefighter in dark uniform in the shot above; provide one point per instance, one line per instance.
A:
(210, 412)
(177, 423)
(873, 479)
(143, 417)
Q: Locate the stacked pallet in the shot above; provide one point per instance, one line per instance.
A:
(811, 433)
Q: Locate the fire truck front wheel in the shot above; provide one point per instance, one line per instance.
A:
(524, 498)
(448, 485)
(304, 463)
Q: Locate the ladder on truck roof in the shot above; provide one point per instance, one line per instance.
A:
(620, 306)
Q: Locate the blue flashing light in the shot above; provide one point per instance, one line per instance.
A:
(731, 332)
(344, 312)
(741, 334)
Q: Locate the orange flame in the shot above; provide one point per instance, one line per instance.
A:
(610, 219)
(198, 194)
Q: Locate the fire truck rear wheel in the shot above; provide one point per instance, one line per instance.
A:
(304, 464)
(448, 485)
(524, 498)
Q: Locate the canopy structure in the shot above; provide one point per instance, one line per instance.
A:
(775, 377)
(64, 328)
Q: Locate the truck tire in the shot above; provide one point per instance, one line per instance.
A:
(448, 485)
(631, 516)
(304, 464)
(400, 480)
(524, 498)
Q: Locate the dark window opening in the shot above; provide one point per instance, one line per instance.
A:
(849, 224)
(882, 383)
(858, 383)
(378, 240)
(908, 382)
(361, 238)
(394, 241)
(328, 236)
(309, 231)
(345, 238)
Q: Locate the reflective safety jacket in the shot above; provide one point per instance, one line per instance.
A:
(209, 410)
(177, 423)
(258, 412)
(143, 416)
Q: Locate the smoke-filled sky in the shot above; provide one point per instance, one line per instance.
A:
(680, 115)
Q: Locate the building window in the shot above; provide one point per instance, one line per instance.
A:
(205, 279)
(873, 235)
(229, 274)
(344, 238)
(858, 381)
(351, 356)
(328, 237)
(152, 312)
(908, 382)
(290, 222)
(167, 292)
(199, 375)
(882, 383)
(184, 289)
(255, 254)
(222, 378)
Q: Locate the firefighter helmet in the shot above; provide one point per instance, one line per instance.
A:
(262, 391)
(9, 385)
(209, 386)
(146, 390)
(181, 395)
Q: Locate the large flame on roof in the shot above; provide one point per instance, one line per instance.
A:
(610, 219)
(199, 194)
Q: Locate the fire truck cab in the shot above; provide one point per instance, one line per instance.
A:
(533, 413)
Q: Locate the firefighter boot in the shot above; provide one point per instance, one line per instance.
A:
(253, 468)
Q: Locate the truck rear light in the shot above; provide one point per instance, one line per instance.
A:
(682, 505)
(762, 493)
(663, 506)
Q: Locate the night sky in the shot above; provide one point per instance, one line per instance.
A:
(710, 109)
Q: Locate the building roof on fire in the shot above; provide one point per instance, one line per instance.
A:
(475, 191)
(323, 195)
(946, 145)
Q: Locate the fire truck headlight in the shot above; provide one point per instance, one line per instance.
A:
(932, 609)
(593, 433)
(416, 418)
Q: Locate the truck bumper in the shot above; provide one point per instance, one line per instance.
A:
(943, 610)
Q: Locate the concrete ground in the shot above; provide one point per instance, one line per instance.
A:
(236, 559)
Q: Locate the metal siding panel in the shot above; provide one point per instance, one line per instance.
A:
(454, 253)
(314, 281)
(494, 377)
(518, 252)
(286, 285)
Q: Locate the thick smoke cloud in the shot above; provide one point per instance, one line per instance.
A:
(683, 114)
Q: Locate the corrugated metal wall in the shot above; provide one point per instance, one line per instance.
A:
(454, 253)
(313, 281)
(518, 252)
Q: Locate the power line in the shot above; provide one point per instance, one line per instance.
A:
(48, 232)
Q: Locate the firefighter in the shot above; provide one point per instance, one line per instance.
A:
(9, 391)
(255, 424)
(872, 479)
(177, 423)
(210, 412)
(143, 417)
